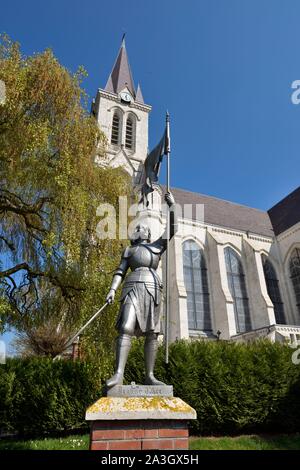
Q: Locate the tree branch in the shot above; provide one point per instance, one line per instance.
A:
(13, 202)
(34, 273)
(8, 243)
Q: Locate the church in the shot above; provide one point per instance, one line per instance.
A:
(235, 270)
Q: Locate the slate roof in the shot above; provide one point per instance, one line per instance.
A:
(286, 213)
(139, 95)
(227, 214)
(121, 75)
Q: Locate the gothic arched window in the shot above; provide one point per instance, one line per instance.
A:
(196, 284)
(273, 290)
(295, 274)
(115, 130)
(237, 287)
(129, 137)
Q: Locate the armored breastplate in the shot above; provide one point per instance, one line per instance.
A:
(143, 256)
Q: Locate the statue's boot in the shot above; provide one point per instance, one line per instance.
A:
(123, 347)
(151, 345)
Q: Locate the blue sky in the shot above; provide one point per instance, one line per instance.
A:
(223, 68)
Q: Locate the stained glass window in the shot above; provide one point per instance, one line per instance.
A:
(196, 284)
(273, 290)
(237, 287)
(295, 275)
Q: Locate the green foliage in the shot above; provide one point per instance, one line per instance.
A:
(72, 442)
(233, 387)
(39, 396)
(57, 271)
(252, 442)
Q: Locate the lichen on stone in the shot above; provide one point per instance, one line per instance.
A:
(113, 404)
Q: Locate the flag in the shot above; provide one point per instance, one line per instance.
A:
(152, 165)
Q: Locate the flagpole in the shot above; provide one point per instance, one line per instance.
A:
(168, 243)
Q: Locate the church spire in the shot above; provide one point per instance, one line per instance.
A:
(139, 95)
(121, 75)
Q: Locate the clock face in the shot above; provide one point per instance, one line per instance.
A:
(125, 96)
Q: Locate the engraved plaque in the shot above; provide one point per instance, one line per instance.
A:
(141, 391)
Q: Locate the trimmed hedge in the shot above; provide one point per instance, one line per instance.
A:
(39, 396)
(233, 387)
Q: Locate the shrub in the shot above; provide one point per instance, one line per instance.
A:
(233, 387)
(40, 396)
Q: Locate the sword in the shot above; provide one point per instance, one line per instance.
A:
(71, 341)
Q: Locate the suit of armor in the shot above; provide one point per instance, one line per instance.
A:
(140, 297)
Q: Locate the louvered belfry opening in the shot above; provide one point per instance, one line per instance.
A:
(129, 134)
(115, 129)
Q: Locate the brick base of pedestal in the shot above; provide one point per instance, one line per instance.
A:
(139, 435)
(139, 423)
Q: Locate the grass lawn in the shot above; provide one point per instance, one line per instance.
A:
(75, 442)
(251, 442)
(81, 442)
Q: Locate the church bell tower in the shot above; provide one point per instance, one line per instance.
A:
(123, 117)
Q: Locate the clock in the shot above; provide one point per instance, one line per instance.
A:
(125, 96)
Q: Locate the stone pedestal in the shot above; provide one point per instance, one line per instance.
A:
(139, 423)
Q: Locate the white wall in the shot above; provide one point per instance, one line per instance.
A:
(212, 239)
(105, 105)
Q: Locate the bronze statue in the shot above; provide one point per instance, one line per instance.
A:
(140, 297)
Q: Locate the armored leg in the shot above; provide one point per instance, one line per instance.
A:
(123, 344)
(123, 347)
(151, 345)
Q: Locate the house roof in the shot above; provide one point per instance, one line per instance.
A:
(286, 212)
(226, 214)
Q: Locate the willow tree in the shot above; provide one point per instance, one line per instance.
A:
(50, 188)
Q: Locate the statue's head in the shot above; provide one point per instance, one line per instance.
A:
(141, 233)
